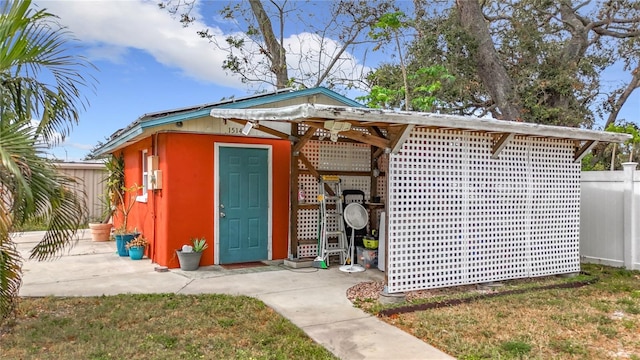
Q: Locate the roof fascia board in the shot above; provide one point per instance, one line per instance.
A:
(174, 118)
(122, 139)
(298, 113)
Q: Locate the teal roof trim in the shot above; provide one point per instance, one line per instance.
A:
(288, 96)
(175, 118)
(121, 139)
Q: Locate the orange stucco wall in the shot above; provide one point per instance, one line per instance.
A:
(141, 215)
(184, 208)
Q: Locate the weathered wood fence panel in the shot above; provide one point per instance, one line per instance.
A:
(90, 177)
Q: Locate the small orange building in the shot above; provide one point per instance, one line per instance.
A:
(189, 164)
(458, 199)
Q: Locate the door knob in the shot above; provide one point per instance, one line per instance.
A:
(222, 214)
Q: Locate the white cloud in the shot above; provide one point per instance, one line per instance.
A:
(111, 27)
(114, 54)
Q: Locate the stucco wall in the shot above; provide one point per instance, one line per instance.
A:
(184, 207)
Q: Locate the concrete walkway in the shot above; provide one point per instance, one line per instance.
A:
(314, 300)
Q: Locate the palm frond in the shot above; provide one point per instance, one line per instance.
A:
(40, 78)
(34, 47)
(10, 274)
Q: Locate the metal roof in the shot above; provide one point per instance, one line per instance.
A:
(120, 137)
(377, 117)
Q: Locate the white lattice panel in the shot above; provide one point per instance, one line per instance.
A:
(309, 184)
(311, 250)
(307, 224)
(311, 151)
(344, 157)
(456, 216)
(383, 167)
(555, 213)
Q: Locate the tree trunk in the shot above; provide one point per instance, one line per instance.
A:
(490, 69)
(275, 51)
(617, 104)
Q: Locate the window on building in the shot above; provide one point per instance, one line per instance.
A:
(145, 176)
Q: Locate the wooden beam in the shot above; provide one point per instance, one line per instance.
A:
(378, 153)
(268, 130)
(314, 172)
(581, 151)
(356, 135)
(303, 140)
(339, 173)
(366, 138)
(500, 144)
(308, 165)
(401, 137)
(377, 131)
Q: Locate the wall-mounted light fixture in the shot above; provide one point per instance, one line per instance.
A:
(247, 128)
(335, 127)
(179, 124)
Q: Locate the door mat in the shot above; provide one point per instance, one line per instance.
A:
(243, 265)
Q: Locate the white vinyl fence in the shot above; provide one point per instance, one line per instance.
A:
(90, 177)
(609, 217)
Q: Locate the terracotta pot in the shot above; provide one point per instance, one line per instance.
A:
(100, 232)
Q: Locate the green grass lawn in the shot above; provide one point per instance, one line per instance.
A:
(161, 326)
(597, 321)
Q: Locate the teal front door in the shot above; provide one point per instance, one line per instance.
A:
(244, 204)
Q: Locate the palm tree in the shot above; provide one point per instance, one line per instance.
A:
(40, 78)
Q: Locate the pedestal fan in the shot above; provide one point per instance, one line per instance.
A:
(356, 217)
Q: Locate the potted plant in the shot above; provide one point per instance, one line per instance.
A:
(136, 247)
(100, 231)
(114, 182)
(189, 256)
(123, 234)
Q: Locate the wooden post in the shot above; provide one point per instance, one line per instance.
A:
(293, 230)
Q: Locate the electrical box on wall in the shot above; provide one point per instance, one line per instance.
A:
(156, 180)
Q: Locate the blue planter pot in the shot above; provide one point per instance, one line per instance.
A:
(136, 252)
(122, 241)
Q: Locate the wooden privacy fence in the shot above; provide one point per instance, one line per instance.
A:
(609, 217)
(90, 177)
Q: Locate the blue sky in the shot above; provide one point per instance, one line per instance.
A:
(148, 62)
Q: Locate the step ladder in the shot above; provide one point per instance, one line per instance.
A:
(330, 200)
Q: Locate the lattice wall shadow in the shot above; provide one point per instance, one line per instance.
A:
(457, 217)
